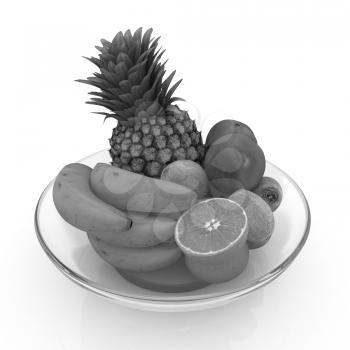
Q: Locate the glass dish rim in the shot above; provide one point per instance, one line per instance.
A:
(173, 300)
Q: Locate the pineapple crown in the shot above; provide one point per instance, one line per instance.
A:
(131, 77)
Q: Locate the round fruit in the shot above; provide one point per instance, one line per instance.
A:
(188, 174)
(260, 217)
(213, 236)
(232, 162)
(270, 191)
(216, 273)
(228, 126)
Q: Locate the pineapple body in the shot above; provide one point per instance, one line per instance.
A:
(150, 143)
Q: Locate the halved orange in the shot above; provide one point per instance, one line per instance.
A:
(210, 227)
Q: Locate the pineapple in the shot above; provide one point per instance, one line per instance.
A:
(151, 130)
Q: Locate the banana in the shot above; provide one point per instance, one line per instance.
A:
(175, 278)
(77, 204)
(138, 193)
(145, 231)
(136, 259)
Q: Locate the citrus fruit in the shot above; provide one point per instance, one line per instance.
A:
(228, 126)
(212, 234)
(260, 217)
(270, 191)
(234, 157)
(189, 174)
(217, 273)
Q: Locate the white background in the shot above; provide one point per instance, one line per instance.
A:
(282, 67)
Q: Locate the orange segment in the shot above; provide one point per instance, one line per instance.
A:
(210, 226)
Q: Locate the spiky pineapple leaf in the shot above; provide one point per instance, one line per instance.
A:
(166, 85)
(174, 99)
(94, 60)
(137, 44)
(128, 37)
(105, 42)
(102, 94)
(171, 91)
(146, 39)
(118, 44)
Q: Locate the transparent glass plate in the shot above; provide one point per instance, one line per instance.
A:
(69, 249)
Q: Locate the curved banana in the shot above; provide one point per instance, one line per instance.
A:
(77, 204)
(145, 231)
(136, 259)
(138, 193)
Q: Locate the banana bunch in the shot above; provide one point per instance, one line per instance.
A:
(129, 218)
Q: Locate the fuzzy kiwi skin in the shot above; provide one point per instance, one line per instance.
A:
(270, 191)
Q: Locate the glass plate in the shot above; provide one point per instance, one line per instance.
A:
(68, 248)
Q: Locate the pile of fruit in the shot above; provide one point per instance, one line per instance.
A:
(170, 212)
